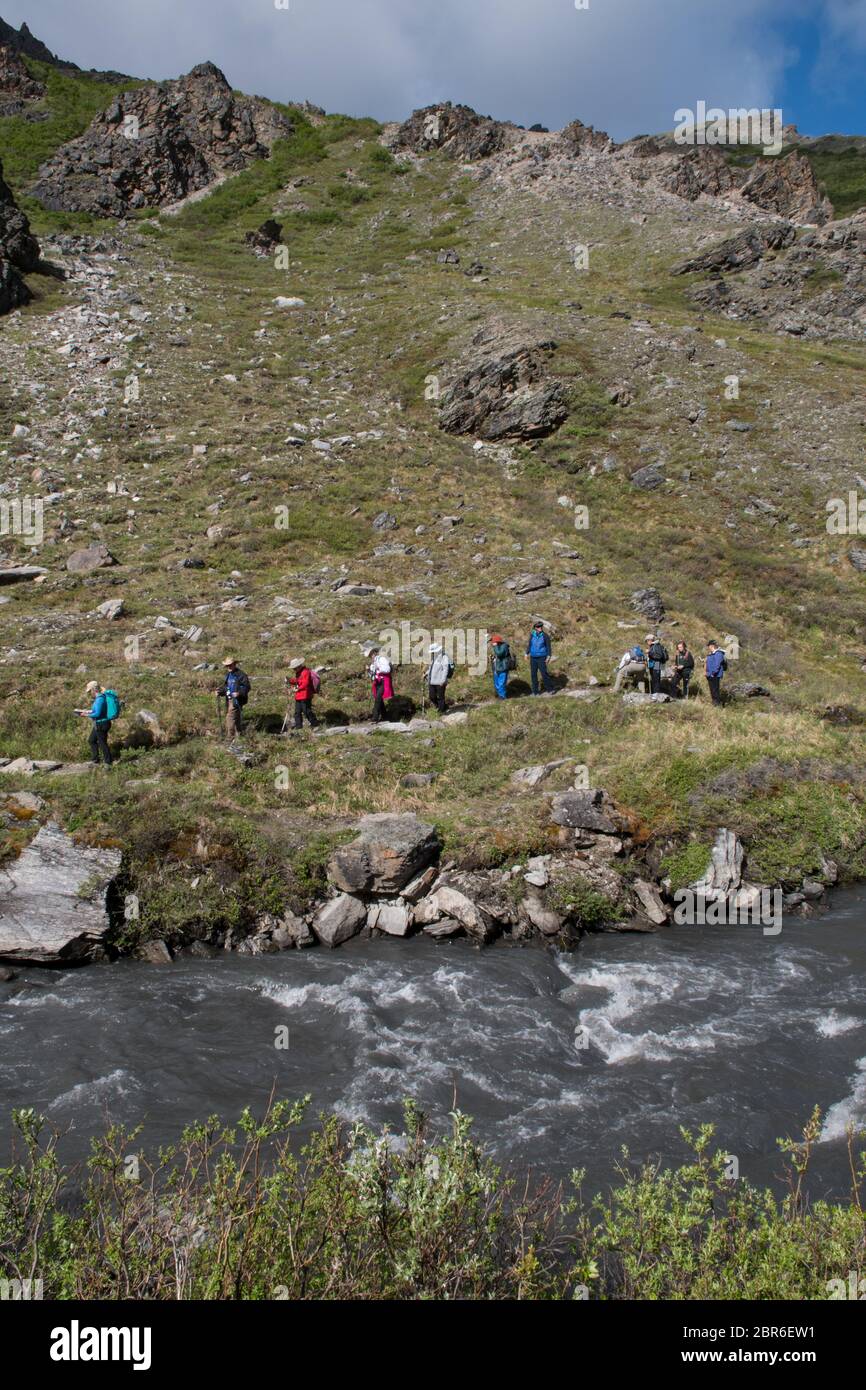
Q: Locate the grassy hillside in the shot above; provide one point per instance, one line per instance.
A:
(226, 377)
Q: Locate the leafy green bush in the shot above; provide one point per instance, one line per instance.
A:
(251, 1212)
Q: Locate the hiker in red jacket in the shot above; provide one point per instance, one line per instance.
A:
(305, 688)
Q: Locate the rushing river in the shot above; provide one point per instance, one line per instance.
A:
(690, 1025)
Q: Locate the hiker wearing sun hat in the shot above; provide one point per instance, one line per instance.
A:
(503, 662)
(305, 684)
(438, 674)
(235, 690)
(104, 709)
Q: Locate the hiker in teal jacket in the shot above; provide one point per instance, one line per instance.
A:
(100, 724)
(503, 662)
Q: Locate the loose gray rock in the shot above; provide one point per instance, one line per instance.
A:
(95, 557)
(339, 919)
(582, 810)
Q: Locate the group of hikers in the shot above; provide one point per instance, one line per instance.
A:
(303, 683)
(637, 666)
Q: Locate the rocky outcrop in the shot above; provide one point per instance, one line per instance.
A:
(701, 169)
(786, 186)
(809, 282)
(53, 901)
(739, 252)
(576, 139)
(456, 130)
(17, 88)
(501, 390)
(155, 145)
(19, 251)
(389, 851)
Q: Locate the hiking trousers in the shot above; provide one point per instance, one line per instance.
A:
(98, 741)
(682, 678)
(715, 684)
(234, 720)
(500, 684)
(437, 697)
(305, 707)
(655, 674)
(634, 669)
(538, 667)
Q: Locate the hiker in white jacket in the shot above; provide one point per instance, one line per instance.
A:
(437, 675)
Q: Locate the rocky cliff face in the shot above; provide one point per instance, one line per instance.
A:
(787, 186)
(156, 144)
(19, 251)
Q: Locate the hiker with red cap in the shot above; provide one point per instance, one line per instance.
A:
(503, 662)
(305, 684)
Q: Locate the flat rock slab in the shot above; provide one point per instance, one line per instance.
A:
(19, 574)
(53, 900)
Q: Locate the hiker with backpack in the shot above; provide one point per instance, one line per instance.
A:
(382, 684)
(437, 675)
(632, 666)
(306, 683)
(504, 661)
(656, 658)
(717, 665)
(235, 690)
(684, 665)
(104, 710)
(538, 650)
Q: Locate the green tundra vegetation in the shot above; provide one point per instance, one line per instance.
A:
(254, 1211)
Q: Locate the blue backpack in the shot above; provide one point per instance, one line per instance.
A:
(113, 704)
(636, 654)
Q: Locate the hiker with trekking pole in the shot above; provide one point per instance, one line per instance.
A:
(235, 691)
(304, 683)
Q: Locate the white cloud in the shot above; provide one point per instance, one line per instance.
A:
(624, 65)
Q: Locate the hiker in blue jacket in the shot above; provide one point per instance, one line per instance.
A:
(717, 665)
(100, 724)
(538, 651)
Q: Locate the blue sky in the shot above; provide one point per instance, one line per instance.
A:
(622, 65)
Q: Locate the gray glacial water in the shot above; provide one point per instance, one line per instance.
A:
(692, 1024)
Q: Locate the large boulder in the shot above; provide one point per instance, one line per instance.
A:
(389, 851)
(156, 144)
(501, 389)
(53, 900)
